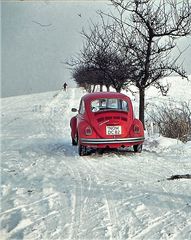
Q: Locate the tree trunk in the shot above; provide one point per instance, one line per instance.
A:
(118, 89)
(94, 86)
(107, 86)
(142, 106)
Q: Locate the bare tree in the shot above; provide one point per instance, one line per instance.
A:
(103, 53)
(148, 31)
(88, 76)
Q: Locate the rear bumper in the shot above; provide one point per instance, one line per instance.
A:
(98, 141)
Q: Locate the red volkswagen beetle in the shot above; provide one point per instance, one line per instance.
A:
(106, 120)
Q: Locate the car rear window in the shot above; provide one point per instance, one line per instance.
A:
(104, 104)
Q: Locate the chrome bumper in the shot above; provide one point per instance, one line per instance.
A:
(111, 140)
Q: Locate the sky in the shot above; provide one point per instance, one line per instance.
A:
(39, 36)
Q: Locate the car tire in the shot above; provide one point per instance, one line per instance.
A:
(138, 148)
(75, 141)
(82, 150)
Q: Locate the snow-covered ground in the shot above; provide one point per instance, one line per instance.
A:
(49, 192)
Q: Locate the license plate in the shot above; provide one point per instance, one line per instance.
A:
(113, 130)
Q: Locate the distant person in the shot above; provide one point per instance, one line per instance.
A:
(65, 86)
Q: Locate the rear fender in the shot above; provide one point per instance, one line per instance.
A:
(73, 126)
(137, 129)
(82, 125)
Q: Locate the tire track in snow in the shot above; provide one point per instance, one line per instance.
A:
(80, 199)
(77, 206)
(92, 213)
(111, 210)
(74, 194)
(83, 202)
(88, 215)
(79, 196)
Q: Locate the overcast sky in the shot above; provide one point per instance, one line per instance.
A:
(37, 37)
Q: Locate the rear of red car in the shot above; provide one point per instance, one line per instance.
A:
(108, 122)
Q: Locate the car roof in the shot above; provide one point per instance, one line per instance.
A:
(96, 95)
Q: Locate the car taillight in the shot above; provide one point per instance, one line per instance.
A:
(136, 129)
(88, 131)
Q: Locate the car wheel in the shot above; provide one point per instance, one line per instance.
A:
(75, 141)
(82, 150)
(138, 148)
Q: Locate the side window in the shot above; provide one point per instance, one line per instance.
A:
(82, 108)
(125, 106)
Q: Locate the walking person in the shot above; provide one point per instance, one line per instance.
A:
(65, 86)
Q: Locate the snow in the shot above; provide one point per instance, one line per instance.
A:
(49, 192)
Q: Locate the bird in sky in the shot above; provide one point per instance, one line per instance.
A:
(42, 25)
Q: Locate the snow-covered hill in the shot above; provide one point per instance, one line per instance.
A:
(49, 192)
